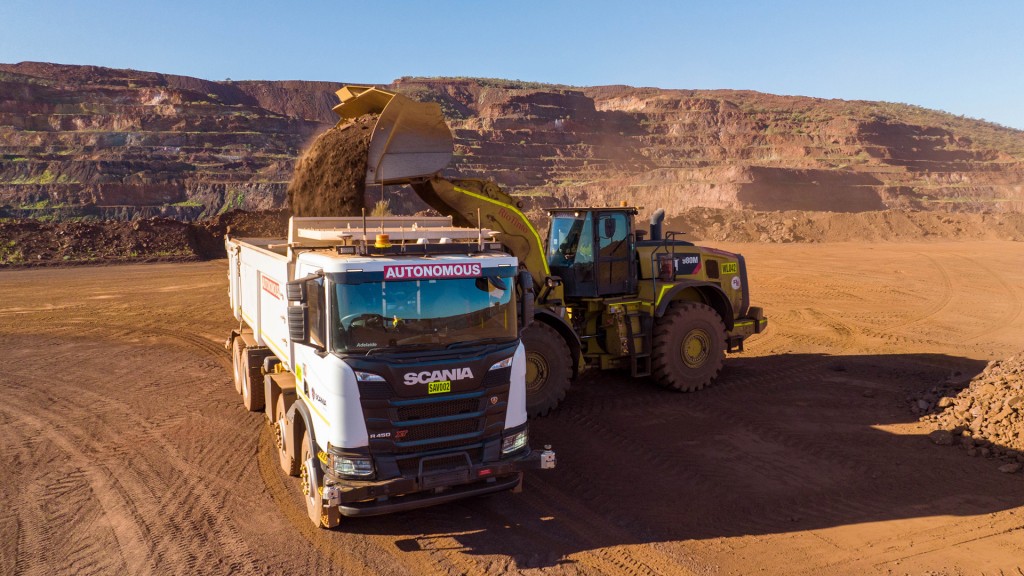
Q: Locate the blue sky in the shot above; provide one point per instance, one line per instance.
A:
(959, 56)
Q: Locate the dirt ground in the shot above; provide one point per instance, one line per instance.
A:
(127, 450)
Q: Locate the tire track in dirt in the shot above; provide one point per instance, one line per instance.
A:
(334, 546)
(1014, 298)
(134, 542)
(147, 487)
(944, 301)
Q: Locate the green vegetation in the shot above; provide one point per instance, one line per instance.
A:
(188, 204)
(10, 253)
(46, 177)
(234, 198)
(382, 208)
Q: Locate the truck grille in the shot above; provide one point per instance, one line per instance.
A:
(437, 409)
(442, 430)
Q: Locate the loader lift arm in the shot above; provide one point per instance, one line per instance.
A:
(473, 203)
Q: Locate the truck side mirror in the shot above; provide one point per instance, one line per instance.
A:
(527, 303)
(295, 290)
(298, 323)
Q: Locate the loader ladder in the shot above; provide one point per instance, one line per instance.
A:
(639, 328)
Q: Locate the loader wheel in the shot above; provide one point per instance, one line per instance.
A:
(288, 463)
(237, 346)
(689, 347)
(319, 516)
(252, 396)
(548, 368)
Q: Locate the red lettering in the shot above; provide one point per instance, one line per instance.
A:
(270, 287)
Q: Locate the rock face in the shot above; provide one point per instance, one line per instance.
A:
(87, 141)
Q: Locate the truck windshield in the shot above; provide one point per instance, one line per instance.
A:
(422, 313)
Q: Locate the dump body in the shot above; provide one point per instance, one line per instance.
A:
(393, 376)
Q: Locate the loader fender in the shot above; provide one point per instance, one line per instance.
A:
(696, 291)
(565, 330)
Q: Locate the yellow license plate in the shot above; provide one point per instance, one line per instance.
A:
(730, 268)
(439, 387)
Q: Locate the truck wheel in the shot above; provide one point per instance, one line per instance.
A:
(252, 396)
(288, 464)
(237, 347)
(313, 507)
(548, 368)
(689, 347)
(318, 515)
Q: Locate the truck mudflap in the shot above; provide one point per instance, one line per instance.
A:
(753, 323)
(408, 493)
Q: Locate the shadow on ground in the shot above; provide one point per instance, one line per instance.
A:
(779, 444)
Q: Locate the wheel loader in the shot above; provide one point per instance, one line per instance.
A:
(607, 294)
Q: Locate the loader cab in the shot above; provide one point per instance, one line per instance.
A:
(592, 249)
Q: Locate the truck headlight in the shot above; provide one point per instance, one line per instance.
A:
(350, 466)
(369, 377)
(503, 364)
(515, 441)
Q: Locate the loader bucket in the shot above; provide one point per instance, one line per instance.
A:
(410, 139)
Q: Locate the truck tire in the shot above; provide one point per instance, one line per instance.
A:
(548, 368)
(289, 465)
(318, 515)
(252, 396)
(689, 347)
(237, 348)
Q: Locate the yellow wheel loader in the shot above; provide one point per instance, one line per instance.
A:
(608, 295)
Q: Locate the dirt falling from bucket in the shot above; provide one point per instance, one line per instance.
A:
(330, 178)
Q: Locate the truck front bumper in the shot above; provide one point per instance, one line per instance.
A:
(373, 498)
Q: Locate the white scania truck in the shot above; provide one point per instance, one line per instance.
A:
(390, 370)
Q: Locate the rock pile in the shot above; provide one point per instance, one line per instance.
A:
(26, 243)
(986, 418)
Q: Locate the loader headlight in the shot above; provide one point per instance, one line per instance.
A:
(369, 377)
(350, 467)
(503, 364)
(514, 442)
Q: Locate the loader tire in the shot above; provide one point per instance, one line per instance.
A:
(548, 368)
(237, 349)
(252, 394)
(689, 347)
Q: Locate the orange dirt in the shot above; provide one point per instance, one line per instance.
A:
(330, 178)
(127, 451)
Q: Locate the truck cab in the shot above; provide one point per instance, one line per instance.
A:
(395, 372)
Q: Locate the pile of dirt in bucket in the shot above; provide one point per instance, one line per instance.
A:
(330, 178)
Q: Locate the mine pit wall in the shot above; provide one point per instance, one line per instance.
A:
(82, 135)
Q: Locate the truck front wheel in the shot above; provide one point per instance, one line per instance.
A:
(548, 368)
(319, 515)
(689, 347)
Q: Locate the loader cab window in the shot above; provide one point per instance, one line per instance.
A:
(571, 252)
